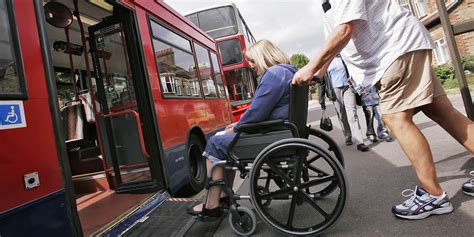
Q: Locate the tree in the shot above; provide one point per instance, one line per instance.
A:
(299, 60)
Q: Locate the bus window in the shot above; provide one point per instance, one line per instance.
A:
(204, 64)
(64, 86)
(218, 22)
(175, 63)
(193, 18)
(231, 52)
(218, 75)
(240, 84)
(12, 85)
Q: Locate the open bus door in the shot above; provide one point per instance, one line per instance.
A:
(125, 116)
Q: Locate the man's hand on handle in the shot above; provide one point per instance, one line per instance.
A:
(304, 76)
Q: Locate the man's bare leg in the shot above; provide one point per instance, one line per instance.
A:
(416, 148)
(456, 124)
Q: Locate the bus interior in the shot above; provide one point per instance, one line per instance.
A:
(97, 182)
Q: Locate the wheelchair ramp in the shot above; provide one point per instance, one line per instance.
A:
(171, 219)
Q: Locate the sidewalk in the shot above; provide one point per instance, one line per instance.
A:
(313, 104)
(377, 178)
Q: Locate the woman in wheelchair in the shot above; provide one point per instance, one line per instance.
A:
(271, 102)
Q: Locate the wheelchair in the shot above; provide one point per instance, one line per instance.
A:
(297, 186)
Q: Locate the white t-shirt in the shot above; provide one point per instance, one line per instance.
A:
(383, 31)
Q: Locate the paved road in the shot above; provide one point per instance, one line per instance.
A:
(376, 179)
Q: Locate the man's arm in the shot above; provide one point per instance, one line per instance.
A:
(320, 73)
(334, 44)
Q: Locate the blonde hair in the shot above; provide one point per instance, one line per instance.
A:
(265, 54)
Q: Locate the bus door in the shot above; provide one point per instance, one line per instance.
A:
(125, 120)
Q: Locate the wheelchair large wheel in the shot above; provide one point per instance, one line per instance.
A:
(295, 207)
(332, 145)
(333, 149)
(245, 224)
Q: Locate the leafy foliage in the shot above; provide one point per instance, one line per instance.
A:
(468, 63)
(299, 60)
(444, 72)
(469, 58)
(446, 75)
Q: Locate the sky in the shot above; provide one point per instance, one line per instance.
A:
(295, 26)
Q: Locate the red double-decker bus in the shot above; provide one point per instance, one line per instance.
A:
(105, 109)
(226, 25)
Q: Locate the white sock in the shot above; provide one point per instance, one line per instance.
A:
(440, 196)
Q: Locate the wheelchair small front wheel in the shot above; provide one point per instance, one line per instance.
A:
(245, 224)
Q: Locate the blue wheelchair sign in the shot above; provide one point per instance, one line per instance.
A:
(12, 115)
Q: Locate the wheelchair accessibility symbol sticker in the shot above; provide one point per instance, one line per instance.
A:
(12, 115)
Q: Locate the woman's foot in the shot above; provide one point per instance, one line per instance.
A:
(208, 215)
(195, 210)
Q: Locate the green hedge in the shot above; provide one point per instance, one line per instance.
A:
(446, 75)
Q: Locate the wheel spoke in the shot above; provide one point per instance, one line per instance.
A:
(278, 193)
(267, 181)
(318, 181)
(314, 204)
(313, 159)
(291, 215)
(317, 170)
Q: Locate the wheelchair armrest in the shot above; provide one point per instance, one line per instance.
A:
(259, 127)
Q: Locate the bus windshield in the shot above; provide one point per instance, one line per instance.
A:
(216, 22)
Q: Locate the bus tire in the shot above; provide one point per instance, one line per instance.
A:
(196, 165)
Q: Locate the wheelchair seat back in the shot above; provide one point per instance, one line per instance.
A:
(248, 146)
(298, 114)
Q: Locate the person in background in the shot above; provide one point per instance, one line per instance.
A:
(271, 101)
(370, 105)
(386, 46)
(322, 93)
(345, 105)
(60, 102)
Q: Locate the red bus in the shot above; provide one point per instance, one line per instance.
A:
(105, 107)
(227, 26)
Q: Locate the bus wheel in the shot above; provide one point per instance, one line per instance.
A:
(196, 165)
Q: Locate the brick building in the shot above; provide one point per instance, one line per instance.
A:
(459, 11)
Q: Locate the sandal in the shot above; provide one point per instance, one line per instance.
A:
(224, 203)
(190, 210)
(208, 215)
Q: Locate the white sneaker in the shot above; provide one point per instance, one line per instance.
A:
(468, 187)
(421, 205)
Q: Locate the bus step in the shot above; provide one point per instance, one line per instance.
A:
(171, 219)
(89, 153)
(139, 187)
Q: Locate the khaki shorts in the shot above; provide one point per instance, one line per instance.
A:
(409, 82)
